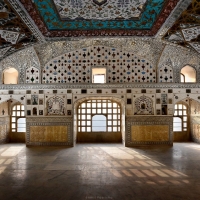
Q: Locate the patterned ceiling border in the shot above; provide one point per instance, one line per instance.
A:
(30, 7)
(18, 7)
(180, 7)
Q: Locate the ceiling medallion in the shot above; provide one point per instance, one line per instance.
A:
(99, 2)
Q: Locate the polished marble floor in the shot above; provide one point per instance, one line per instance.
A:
(100, 171)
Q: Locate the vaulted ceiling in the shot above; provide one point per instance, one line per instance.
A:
(26, 22)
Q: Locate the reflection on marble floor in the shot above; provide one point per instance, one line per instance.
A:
(100, 171)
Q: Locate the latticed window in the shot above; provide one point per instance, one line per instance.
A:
(101, 115)
(180, 117)
(18, 120)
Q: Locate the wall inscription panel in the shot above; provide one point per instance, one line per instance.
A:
(48, 134)
(150, 133)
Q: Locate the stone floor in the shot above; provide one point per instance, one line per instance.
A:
(100, 171)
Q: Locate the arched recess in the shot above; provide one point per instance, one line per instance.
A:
(109, 110)
(10, 76)
(32, 75)
(166, 74)
(188, 74)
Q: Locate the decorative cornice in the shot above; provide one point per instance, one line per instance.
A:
(99, 86)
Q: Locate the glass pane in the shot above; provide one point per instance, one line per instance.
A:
(14, 113)
(99, 128)
(175, 113)
(83, 129)
(177, 128)
(88, 110)
(79, 123)
(114, 105)
(94, 105)
(13, 119)
(180, 112)
(114, 110)
(110, 129)
(104, 105)
(184, 124)
(88, 105)
(14, 107)
(177, 120)
(83, 117)
(99, 111)
(176, 106)
(93, 111)
(184, 118)
(13, 130)
(109, 116)
(184, 107)
(180, 106)
(22, 107)
(83, 110)
(99, 105)
(114, 116)
(21, 125)
(119, 122)
(19, 129)
(89, 123)
(88, 129)
(109, 105)
(79, 129)
(88, 116)
(109, 110)
(115, 123)
(104, 111)
(83, 105)
(22, 113)
(83, 123)
(13, 125)
(18, 107)
(114, 129)
(184, 112)
(21, 120)
(118, 129)
(109, 123)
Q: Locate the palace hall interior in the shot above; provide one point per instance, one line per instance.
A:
(99, 99)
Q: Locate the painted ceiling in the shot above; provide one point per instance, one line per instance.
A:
(186, 30)
(27, 22)
(65, 18)
(14, 34)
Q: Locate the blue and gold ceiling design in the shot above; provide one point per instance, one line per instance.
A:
(66, 18)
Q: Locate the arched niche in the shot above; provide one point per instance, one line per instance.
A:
(188, 74)
(10, 76)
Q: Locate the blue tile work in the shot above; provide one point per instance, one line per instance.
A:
(75, 66)
(51, 18)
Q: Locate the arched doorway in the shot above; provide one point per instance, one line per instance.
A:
(99, 120)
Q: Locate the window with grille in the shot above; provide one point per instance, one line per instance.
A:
(18, 120)
(99, 115)
(180, 117)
